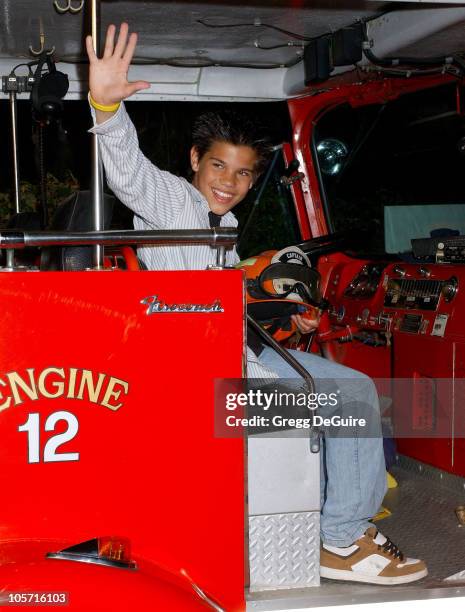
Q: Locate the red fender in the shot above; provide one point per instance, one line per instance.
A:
(26, 571)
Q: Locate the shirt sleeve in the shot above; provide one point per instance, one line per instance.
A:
(153, 194)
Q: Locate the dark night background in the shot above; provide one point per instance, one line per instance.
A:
(164, 136)
(408, 151)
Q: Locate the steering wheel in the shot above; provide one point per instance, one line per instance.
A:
(314, 249)
(337, 241)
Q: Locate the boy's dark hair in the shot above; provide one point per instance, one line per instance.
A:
(233, 128)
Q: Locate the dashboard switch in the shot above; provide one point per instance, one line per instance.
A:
(425, 272)
(385, 320)
(439, 326)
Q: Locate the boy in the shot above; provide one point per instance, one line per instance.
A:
(226, 157)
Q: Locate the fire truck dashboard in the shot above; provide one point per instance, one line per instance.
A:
(396, 297)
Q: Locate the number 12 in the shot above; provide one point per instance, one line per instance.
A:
(32, 427)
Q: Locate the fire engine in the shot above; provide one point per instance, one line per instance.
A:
(119, 490)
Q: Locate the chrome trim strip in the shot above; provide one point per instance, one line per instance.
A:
(219, 237)
(156, 306)
(81, 558)
(207, 599)
(14, 142)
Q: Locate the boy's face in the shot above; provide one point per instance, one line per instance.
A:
(224, 174)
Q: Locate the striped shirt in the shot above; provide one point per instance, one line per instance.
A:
(161, 200)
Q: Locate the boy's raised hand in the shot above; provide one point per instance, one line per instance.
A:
(108, 76)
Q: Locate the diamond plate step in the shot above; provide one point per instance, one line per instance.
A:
(284, 550)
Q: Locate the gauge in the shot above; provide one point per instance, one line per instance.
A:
(449, 289)
(366, 283)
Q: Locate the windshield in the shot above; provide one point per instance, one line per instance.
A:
(267, 217)
(394, 170)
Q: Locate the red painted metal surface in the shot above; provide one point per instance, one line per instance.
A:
(149, 467)
(432, 409)
(337, 271)
(305, 112)
(297, 195)
(410, 355)
(90, 588)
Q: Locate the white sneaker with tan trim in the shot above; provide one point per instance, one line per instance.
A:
(373, 558)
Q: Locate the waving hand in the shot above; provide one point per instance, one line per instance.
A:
(108, 76)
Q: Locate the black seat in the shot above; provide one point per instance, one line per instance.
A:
(26, 222)
(74, 215)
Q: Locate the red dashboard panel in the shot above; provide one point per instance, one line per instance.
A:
(404, 321)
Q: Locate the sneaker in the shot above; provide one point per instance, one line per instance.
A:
(372, 558)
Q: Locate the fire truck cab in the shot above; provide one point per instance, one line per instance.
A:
(122, 489)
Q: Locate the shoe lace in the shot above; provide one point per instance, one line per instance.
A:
(391, 549)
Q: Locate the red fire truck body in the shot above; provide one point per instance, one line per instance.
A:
(108, 432)
(119, 494)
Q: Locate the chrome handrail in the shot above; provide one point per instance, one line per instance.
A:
(96, 183)
(301, 371)
(216, 237)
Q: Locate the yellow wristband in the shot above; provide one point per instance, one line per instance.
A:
(102, 107)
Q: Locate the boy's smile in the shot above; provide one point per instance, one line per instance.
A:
(224, 174)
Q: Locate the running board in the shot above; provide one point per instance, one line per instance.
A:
(346, 593)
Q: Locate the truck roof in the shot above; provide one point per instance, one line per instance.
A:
(218, 50)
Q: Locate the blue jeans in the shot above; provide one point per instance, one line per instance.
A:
(353, 472)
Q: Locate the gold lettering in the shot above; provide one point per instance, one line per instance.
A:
(16, 381)
(54, 382)
(72, 383)
(7, 402)
(58, 386)
(111, 393)
(87, 381)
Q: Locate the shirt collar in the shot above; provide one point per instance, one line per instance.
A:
(228, 219)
